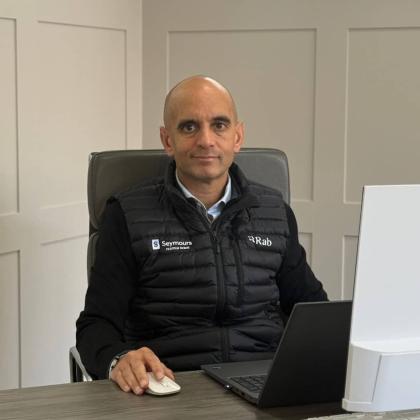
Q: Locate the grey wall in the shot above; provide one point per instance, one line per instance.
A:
(70, 80)
(335, 84)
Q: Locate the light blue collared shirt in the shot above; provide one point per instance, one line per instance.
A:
(215, 210)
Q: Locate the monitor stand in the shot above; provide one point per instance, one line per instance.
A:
(383, 376)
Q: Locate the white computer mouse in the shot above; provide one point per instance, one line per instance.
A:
(166, 386)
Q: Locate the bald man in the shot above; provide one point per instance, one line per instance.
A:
(177, 282)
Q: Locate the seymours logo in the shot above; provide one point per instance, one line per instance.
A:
(258, 240)
(171, 245)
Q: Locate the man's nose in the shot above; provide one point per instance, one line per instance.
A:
(205, 137)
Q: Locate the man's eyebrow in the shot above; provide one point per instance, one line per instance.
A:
(222, 118)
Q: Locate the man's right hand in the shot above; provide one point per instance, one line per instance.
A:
(130, 373)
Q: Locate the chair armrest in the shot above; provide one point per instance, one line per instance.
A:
(78, 372)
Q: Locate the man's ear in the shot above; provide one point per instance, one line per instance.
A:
(166, 141)
(239, 139)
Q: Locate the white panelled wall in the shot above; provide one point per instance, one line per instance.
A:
(70, 83)
(335, 84)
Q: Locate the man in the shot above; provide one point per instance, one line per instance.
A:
(178, 281)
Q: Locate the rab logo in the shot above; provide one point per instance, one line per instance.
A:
(155, 244)
(257, 240)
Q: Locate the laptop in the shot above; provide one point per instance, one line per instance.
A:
(309, 365)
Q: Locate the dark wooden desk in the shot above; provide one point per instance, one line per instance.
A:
(200, 398)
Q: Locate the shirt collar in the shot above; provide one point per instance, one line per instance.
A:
(217, 207)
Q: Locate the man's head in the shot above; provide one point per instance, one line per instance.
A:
(202, 132)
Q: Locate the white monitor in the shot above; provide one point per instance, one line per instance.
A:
(383, 370)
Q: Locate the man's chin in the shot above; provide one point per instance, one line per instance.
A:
(208, 176)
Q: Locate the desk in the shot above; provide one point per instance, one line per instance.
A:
(200, 398)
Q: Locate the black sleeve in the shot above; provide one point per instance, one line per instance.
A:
(99, 329)
(296, 281)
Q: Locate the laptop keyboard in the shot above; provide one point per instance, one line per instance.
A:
(253, 383)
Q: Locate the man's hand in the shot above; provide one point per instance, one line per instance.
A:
(130, 373)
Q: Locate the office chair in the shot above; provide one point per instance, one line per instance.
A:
(114, 171)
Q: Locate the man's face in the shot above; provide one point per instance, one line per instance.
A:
(202, 133)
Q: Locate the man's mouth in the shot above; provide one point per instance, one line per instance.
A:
(205, 157)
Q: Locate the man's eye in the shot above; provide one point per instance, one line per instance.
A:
(220, 125)
(188, 128)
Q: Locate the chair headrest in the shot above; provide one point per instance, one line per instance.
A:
(113, 171)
